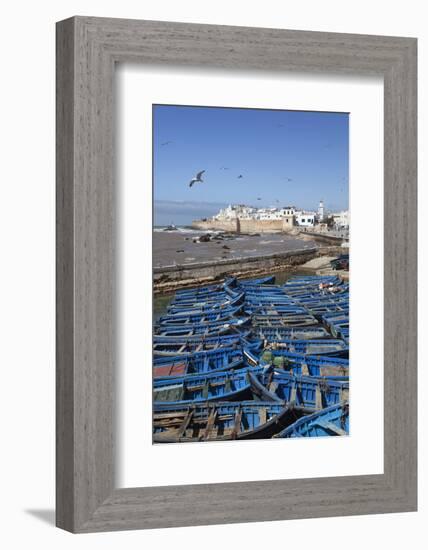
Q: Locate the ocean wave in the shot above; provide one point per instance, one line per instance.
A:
(178, 229)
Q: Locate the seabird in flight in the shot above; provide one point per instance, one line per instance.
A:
(197, 178)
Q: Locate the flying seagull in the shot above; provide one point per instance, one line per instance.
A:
(240, 176)
(289, 179)
(197, 178)
(224, 168)
(166, 143)
(259, 198)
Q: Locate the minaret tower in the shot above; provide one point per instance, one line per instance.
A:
(321, 210)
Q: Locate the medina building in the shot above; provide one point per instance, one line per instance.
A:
(305, 219)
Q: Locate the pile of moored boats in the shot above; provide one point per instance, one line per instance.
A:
(248, 359)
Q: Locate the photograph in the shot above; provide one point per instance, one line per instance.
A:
(250, 274)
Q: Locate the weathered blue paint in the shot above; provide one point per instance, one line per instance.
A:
(332, 421)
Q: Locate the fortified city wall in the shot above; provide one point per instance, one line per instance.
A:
(245, 226)
(219, 225)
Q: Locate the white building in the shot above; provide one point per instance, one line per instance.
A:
(305, 219)
(321, 210)
(290, 213)
(236, 211)
(287, 210)
(268, 214)
(341, 219)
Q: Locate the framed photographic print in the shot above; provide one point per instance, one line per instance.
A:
(236, 274)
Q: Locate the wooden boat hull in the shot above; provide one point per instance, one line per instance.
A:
(190, 307)
(187, 349)
(312, 347)
(232, 338)
(199, 363)
(221, 421)
(271, 334)
(214, 328)
(312, 393)
(301, 364)
(200, 317)
(332, 421)
(225, 386)
(268, 280)
(300, 320)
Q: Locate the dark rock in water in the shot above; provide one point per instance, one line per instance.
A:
(226, 247)
(179, 250)
(205, 238)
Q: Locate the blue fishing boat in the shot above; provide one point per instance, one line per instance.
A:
(201, 362)
(192, 332)
(184, 348)
(200, 316)
(306, 391)
(272, 334)
(307, 280)
(253, 303)
(322, 298)
(265, 290)
(218, 287)
(285, 311)
(338, 323)
(193, 306)
(268, 280)
(224, 386)
(208, 329)
(331, 346)
(226, 286)
(298, 320)
(221, 421)
(332, 421)
(197, 339)
(313, 365)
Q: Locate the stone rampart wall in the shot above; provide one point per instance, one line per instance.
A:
(244, 226)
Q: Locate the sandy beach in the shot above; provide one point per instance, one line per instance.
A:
(178, 248)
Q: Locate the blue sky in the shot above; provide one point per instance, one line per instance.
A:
(284, 157)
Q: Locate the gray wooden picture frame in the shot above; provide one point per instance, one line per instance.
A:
(87, 50)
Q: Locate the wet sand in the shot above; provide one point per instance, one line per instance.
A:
(177, 248)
